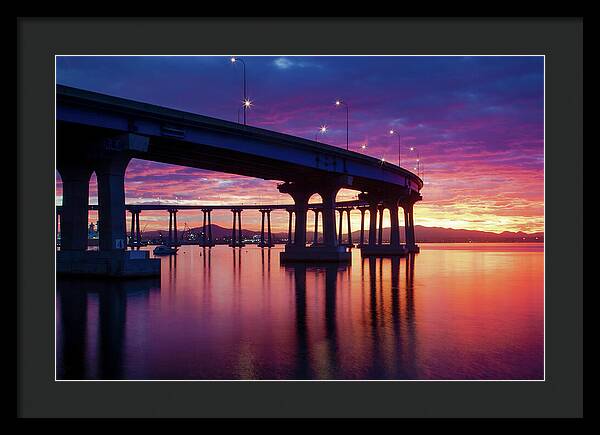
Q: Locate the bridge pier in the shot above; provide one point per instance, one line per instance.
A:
(74, 220)
(110, 173)
(339, 229)
(377, 205)
(269, 240)
(392, 206)
(409, 226)
(289, 238)
(316, 211)
(350, 244)
(236, 233)
(349, 226)
(207, 240)
(380, 210)
(363, 211)
(112, 258)
(173, 233)
(134, 235)
(329, 250)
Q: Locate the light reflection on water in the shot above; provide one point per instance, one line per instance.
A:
(455, 311)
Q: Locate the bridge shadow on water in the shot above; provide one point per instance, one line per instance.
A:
(376, 341)
(77, 341)
(400, 353)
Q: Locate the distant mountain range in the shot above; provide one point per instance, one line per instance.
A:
(422, 234)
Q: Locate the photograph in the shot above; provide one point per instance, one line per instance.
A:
(287, 217)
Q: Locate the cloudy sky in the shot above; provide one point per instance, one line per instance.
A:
(476, 122)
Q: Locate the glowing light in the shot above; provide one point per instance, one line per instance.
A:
(233, 59)
(338, 102)
(412, 148)
(363, 146)
(247, 103)
(391, 131)
(323, 129)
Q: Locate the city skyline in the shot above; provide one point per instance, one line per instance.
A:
(478, 116)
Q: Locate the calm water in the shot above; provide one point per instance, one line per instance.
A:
(454, 311)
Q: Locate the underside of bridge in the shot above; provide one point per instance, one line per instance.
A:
(94, 138)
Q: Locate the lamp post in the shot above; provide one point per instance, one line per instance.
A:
(247, 103)
(394, 132)
(418, 163)
(343, 103)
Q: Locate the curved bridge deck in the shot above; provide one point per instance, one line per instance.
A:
(102, 133)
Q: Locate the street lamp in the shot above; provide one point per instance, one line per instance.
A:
(247, 103)
(343, 103)
(393, 132)
(322, 130)
(418, 165)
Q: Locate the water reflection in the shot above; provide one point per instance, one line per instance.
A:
(110, 298)
(226, 313)
(325, 363)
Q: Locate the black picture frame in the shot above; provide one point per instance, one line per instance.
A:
(560, 40)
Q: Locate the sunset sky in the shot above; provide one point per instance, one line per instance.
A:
(477, 123)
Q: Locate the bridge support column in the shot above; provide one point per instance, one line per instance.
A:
(409, 227)
(210, 237)
(289, 239)
(328, 212)
(373, 209)
(377, 205)
(380, 209)
(175, 232)
(170, 239)
(206, 228)
(138, 234)
(112, 258)
(132, 231)
(316, 233)
(134, 235)
(74, 219)
(203, 243)
(392, 206)
(265, 241)
(262, 228)
(236, 231)
(363, 210)
(270, 237)
(173, 236)
(300, 224)
(240, 228)
(350, 244)
(110, 173)
(329, 250)
(233, 227)
(341, 212)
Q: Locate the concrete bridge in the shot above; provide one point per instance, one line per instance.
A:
(342, 207)
(100, 133)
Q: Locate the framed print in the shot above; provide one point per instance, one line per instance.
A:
(372, 231)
